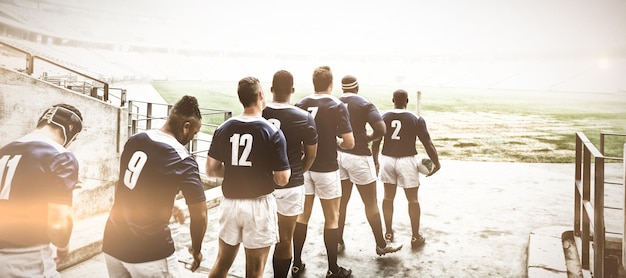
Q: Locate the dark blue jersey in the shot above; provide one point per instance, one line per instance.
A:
(251, 149)
(361, 112)
(299, 129)
(34, 171)
(154, 167)
(332, 119)
(403, 127)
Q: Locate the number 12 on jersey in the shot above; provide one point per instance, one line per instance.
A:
(236, 141)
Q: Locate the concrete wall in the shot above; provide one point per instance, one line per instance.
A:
(22, 101)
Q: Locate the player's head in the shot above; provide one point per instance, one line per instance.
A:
(185, 119)
(282, 85)
(249, 91)
(65, 117)
(400, 98)
(322, 79)
(349, 84)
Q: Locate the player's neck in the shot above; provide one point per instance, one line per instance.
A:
(252, 111)
(325, 92)
(166, 129)
(52, 133)
(278, 100)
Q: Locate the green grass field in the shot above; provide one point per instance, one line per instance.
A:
(470, 124)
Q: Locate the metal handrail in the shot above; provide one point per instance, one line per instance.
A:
(592, 213)
(30, 62)
(603, 135)
(589, 210)
(135, 116)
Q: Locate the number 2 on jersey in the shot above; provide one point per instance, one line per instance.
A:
(397, 125)
(135, 165)
(236, 141)
(7, 165)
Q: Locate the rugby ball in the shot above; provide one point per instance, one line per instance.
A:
(424, 166)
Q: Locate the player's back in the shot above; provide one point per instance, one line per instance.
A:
(298, 127)
(361, 111)
(34, 170)
(154, 166)
(151, 169)
(332, 119)
(402, 130)
(249, 147)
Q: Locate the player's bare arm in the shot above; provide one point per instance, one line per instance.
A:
(376, 151)
(434, 157)
(60, 224)
(214, 168)
(346, 141)
(197, 229)
(281, 178)
(310, 152)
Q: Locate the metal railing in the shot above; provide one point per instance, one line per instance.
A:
(88, 88)
(147, 115)
(588, 209)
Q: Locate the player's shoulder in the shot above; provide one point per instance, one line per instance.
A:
(354, 98)
(400, 113)
(286, 108)
(38, 140)
(256, 121)
(166, 141)
(322, 98)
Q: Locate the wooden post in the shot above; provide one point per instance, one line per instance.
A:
(624, 210)
(419, 103)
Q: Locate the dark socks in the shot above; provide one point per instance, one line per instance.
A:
(299, 236)
(414, 215)
(330, 240)
(281, 267)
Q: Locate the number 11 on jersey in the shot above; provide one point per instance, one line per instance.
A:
(7, 170)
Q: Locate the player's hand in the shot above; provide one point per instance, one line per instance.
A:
(178, 213)
(61, 254)
(437, 167)
(197, 259)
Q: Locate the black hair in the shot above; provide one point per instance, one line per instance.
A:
(400, 98)
(187, 107)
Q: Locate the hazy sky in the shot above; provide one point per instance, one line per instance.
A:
(427, 27)
(411, 26)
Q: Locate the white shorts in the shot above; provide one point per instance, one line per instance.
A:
(359, 169)
(252, 222)
(290, 201)
(36, 261)
(166, 267)
(326, 185)
(401, 171)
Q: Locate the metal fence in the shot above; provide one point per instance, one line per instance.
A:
(90, 85)
(589, 206)
(146, 115)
